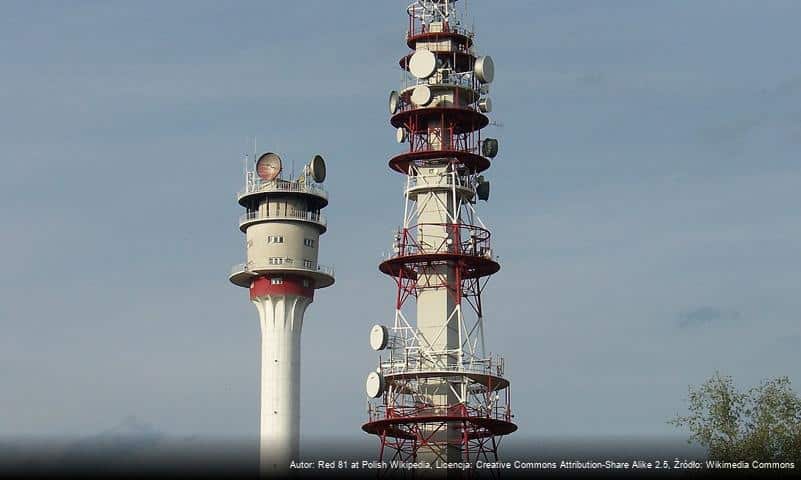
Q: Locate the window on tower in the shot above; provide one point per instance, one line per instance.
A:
(277, 280)
(308, 263)
(308, 242)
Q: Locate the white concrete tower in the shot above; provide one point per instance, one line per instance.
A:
(282, 227)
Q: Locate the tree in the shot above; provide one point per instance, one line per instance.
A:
(762, 423)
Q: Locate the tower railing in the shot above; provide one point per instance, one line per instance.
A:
(421, 142)
(459, 238)
(254, 184)
(455, 80)
(414, 364)
(305, 216)
(286, 262)
(463, 80)
(421, 18)
(435, 181)
(499, 411)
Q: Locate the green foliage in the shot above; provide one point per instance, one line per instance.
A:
(762, 423)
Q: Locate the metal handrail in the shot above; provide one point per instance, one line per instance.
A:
(394, 368)
(453, 79)
(290, 262)
(408, 106)
(419, 23)
(414, 181)
(425, 147)
(257, 185)
(306, 216)
(499, 411)
(476, 243)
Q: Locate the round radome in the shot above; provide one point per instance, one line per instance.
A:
(489, 148)
(423, 64)
(484, 69)
(374, 386)
(421, 95)
(394, 102)
(400, 135)
(485, 105)
(318, 169)
(379, 337)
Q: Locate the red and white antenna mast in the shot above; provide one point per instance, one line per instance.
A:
(438, 395)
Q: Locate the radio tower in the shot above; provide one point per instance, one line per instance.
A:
(437, 395)
(282, 226)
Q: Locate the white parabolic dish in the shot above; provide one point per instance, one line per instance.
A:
(489, 148)
(423, 64)
(379, 337)
(400, 135)
(485, 69)
(421, 95)
(374, 385)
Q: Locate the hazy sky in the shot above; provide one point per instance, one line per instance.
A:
(645, 205)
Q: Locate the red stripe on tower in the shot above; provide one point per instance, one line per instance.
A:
(277, 285)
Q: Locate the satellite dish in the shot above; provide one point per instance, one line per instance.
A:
(421, 95)
(489, 147)
(400, 135)
(317, 169)
(484, 69)
(374, 386)
(483, 189)
(485, 105)
(394, 102)
(379, 337)
(423, 64)
(268, 166)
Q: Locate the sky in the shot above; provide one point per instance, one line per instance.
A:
(645, 206)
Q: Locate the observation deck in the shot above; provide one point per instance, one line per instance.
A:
(427, 31)
(255, 186)
(464, 92)
(477, 375)
(441, 38)
(418, 184)
(243, 274)
(472, 161)
(472, 422)
(252, 218)
(459, 141)
(467, 247)
(460, 120)
(463, 59)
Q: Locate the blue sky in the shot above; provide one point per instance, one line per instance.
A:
(645, 205)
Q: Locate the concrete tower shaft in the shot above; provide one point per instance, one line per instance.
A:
(437, 317)
(281, 313)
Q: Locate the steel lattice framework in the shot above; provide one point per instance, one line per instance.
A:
(442, 397)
